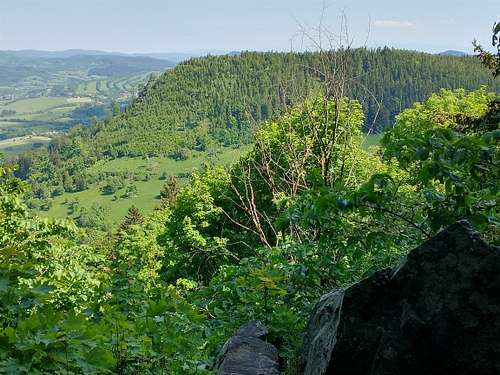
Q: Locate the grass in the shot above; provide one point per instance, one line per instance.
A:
(14, 146)
(80, 100)
(146, 198)
(34, 105)
(372, 140)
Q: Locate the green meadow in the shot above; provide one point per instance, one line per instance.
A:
(35, 105)
(14, 146)
(148, 188)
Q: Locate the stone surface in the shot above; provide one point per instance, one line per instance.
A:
(438, 312)
(246, 353)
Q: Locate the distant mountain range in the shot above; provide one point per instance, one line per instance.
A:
(454, 53)
(17, 66)
(175, 57)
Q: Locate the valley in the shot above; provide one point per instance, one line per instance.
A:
(316, 212)
(45, 96)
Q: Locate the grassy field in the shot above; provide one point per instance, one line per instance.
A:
(146, 198)
(35, 105)
(13, 146)
(37, 116)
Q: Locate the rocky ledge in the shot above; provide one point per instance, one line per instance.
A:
(246, 353)
(438, 312)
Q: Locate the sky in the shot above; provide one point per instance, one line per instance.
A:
(146, 26)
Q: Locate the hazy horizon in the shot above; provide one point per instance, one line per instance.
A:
(155, 26)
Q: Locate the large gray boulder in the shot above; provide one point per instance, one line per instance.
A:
(246, 353)
(438, 312)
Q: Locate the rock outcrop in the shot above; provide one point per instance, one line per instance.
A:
(438, 312)
(246, 353)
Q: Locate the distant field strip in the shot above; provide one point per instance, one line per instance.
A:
(23, 140)
(35, 104)
(14, 146)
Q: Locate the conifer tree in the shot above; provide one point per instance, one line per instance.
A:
(169, 192)
(133, 217)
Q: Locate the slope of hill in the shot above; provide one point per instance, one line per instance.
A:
(25, 67)
(223, 98)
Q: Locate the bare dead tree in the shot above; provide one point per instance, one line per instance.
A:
(337, 78)
(247, 202)
(331, 134)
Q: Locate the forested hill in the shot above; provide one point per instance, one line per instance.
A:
(222, 98)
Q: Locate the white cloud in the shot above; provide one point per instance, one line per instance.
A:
(392, 24)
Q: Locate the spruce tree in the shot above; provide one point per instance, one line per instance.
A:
(169, 192)
(133, 217)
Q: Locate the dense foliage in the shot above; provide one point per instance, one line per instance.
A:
(307, 209)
